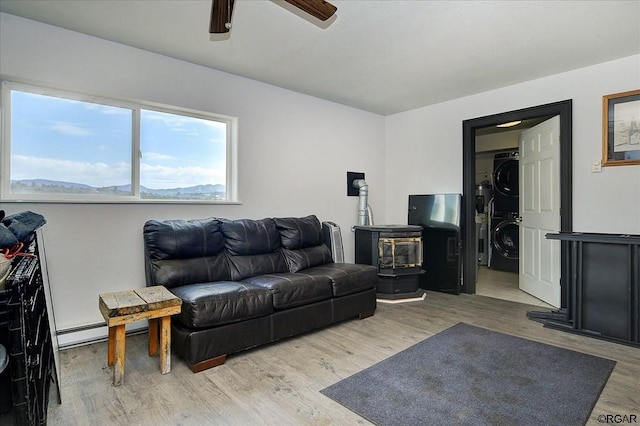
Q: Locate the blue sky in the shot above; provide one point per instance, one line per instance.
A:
(68, 140)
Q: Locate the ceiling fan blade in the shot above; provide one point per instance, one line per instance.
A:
(318, 8)
(221, 13)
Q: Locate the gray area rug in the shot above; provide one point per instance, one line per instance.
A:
(468, 375)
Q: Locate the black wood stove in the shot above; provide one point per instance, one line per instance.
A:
(397, 252)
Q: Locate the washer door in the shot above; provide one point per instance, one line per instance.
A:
(505, 178)
(505, 238)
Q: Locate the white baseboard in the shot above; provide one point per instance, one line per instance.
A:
(91, 334)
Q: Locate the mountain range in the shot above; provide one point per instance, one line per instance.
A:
(80, 187)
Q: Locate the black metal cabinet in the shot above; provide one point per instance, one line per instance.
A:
(5, 374)
(30, 346)
(603, 286)
(440, 217)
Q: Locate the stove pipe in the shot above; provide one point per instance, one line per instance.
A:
(365, 215)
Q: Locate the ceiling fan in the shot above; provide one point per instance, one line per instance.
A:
(221, 11)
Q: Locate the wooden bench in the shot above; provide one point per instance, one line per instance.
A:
(155, 304)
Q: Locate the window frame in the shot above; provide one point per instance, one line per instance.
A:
(7, 86)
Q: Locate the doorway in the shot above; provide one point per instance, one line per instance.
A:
(470, 129)
(499, 219)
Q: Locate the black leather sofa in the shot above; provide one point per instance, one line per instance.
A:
(244, 283)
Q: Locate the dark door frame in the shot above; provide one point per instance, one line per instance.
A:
(469, 127)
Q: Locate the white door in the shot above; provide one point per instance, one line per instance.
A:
(540, 211)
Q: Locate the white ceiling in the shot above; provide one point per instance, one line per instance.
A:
(380, 56)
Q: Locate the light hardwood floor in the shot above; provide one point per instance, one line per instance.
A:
(504, 285)
(279, 384)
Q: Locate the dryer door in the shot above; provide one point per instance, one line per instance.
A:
(505, 178)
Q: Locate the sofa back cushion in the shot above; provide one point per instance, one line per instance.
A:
(302, 242)
(297, 233)
(300, 259)
(180, 252)
(252, 247)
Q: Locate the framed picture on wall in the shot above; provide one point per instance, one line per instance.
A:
(621, 129)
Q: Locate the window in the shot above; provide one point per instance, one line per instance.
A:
(60, 146)
(189, 164)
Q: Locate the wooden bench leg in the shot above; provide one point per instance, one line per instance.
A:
(153, 337)
(118, 368)
(111, 346)
(165, 344)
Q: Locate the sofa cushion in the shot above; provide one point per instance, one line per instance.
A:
(176, 272)
(346, 278)
(252, 247)
(301, 259)
(302, 242)
(213, 304)
(297, 233)
(242, 267)
(180, 252)
(244, 237)
(182, 239)
(290, 290)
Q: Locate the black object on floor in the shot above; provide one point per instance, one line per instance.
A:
(602, 293)
(468, 375)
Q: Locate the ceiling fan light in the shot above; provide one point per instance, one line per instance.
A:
(509, 124)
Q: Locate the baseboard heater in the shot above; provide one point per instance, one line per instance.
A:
(91, 333)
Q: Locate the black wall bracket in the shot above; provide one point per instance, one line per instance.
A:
(351, 176)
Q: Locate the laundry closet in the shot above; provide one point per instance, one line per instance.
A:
(497, 198)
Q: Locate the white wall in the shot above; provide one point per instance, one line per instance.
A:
(498, 141)
(427, 142)
(294, 152)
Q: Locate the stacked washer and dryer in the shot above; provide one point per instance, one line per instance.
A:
(504, 212)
